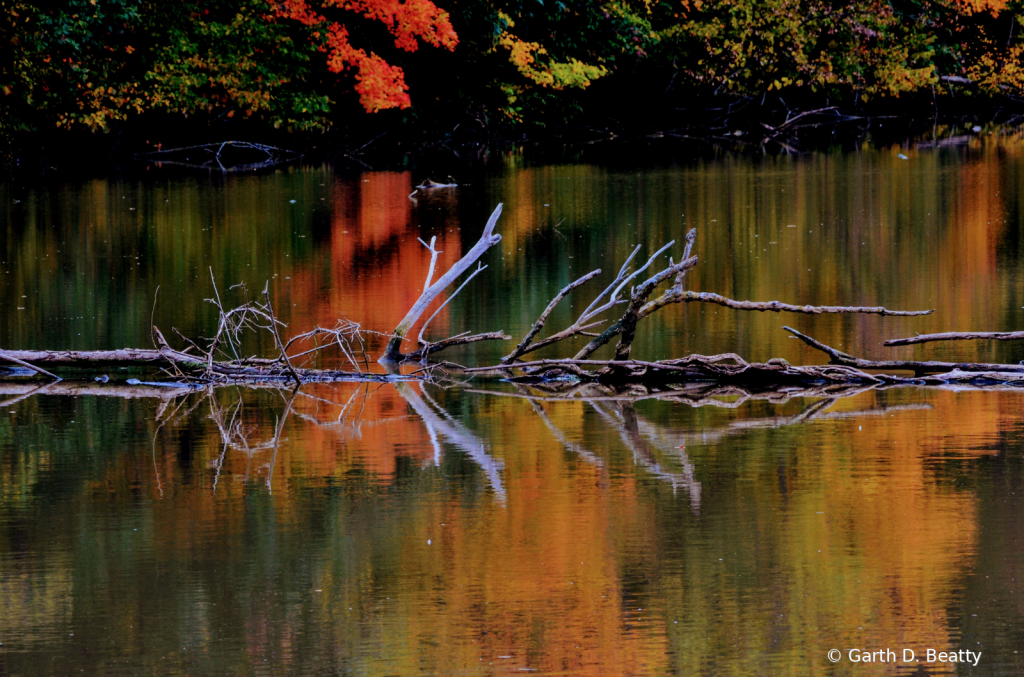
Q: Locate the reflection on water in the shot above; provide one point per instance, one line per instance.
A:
(485, 528)
(392, 529)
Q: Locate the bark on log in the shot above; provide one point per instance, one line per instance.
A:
(125, 357)
(958, 336)
(7, 357)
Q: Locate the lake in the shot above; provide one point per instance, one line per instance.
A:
(476, 527)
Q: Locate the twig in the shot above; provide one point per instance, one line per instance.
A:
(277, 337)
(777, 306)
(152, 315)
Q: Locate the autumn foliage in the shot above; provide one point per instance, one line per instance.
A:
(312, 64)
(380, 85)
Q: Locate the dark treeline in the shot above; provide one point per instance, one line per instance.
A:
(138, 72)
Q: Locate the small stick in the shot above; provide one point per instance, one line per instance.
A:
(277, 337)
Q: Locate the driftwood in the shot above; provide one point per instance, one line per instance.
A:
(929, 367)
(221, 359)
(725, 368)
(433, 185)
(211, 156)
(639, 307)
(393, 353)
(958, 336)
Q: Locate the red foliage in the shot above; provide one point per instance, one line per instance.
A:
(380, 85)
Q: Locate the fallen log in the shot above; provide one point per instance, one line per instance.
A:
(221, 361)
(725, 368)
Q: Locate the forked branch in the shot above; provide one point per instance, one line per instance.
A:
(393, 352)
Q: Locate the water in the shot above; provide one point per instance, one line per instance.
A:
(482, 529)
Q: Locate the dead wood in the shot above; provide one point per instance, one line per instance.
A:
(432, 185)
(460, 340)
(724, 368)
(212, 152)
(7, 357)
(277, 336)
(958, 336)
(606, 300)
(539, 324)
(840, 358)
(627, 323)
(220, 359)
(777, 306)
(393, 353)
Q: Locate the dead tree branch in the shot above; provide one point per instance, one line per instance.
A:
(840, 358)
(958, 336)
(8, 357)
(277, 336)
(539, 324)
(606, 300)
(777, 306)
(488, 239)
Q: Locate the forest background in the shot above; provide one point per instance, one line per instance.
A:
(150, 74)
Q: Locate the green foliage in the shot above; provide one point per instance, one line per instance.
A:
(747, 47)
(238, 62)
(85, 63)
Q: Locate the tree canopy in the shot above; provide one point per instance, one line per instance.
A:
(311, 64)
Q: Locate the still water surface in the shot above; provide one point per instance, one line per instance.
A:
(372, 529)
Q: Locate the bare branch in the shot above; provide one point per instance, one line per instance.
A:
(277, 337)
(959, 336)
(488, 239)
(838, 357)
(479, 269)
(4, 355)
(627, 324)
(539, 324)
(433, 259)
(690, 238)
(459, 340)
(777, 306)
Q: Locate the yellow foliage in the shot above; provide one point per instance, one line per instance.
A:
(546, 72)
